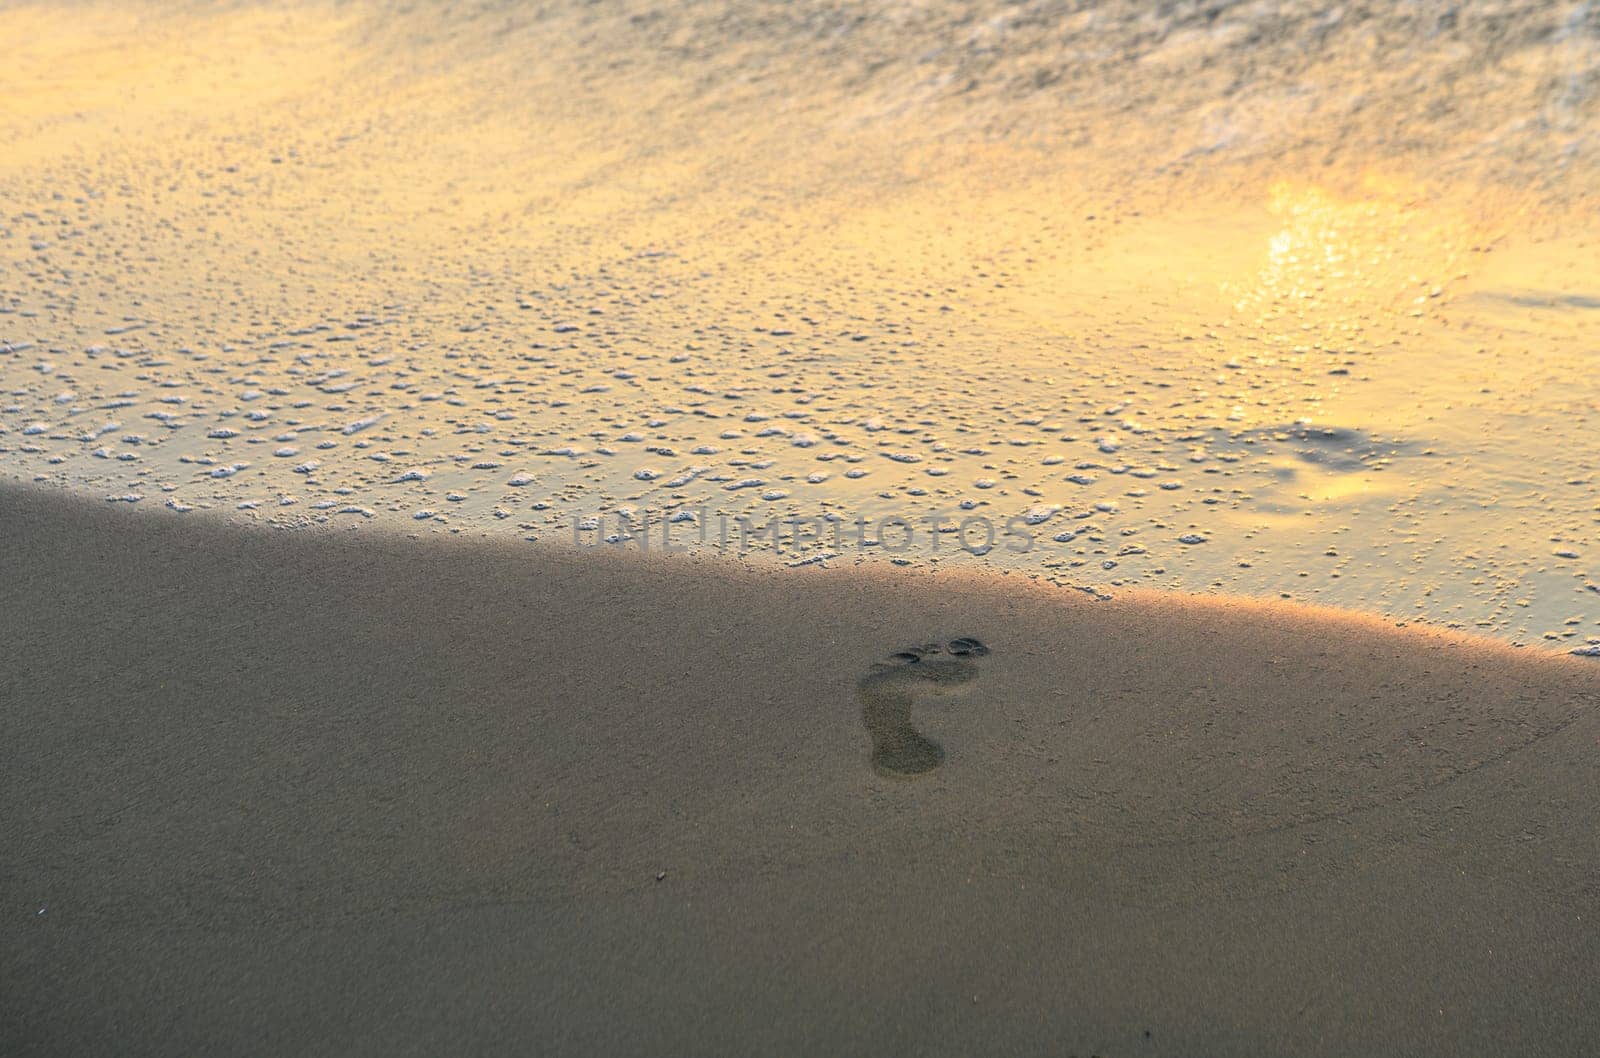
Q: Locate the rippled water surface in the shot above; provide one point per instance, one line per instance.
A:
(1252, 298)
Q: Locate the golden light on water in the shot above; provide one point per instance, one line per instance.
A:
(1369, 252)
(490, 260)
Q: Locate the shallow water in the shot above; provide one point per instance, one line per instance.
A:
(1238, 298)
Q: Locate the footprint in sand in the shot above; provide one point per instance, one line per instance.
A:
(898, 748)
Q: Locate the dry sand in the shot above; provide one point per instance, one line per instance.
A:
(347, 793)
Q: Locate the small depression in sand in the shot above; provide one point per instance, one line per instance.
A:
(889, 691)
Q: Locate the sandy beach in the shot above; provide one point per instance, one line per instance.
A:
(1134, 475)
(352, 793)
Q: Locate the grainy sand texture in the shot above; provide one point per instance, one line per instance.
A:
(344, 793)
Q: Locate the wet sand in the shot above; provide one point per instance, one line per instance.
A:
(342, 792)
